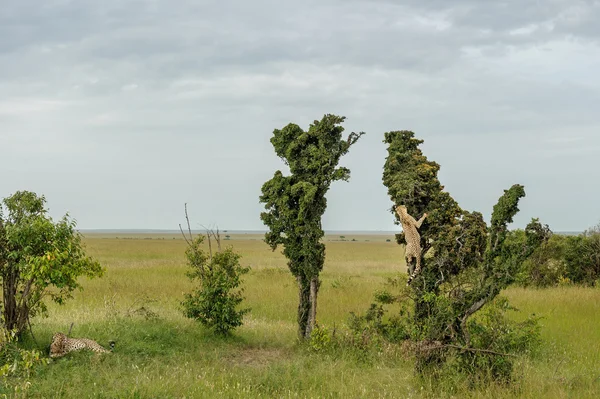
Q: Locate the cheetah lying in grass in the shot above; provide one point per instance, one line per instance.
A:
(61, 345)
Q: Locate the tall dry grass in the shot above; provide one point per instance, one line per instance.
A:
(159, 353)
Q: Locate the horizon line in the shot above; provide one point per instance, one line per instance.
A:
(251, 231)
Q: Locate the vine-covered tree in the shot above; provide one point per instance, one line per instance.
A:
(295, 204)
(465, 263)
(39, 258)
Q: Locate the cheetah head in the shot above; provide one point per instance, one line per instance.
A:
(57, 347)
(401, 209)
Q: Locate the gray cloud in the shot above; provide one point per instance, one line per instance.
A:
(120, 111)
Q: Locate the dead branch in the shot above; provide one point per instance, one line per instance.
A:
(209, 246)
(189, 242)
(217, 238)
(210, 232)
(188, 222)
(184, 237)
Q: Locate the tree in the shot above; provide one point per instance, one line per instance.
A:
(295, 204)
(467, 262)
(582, 257)
(39, 258)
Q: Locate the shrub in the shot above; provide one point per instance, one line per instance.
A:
(215, 302)
(16, 364)
(494, 337)
(582, 257)
(546, 266)
(494, 332)
(320, 339)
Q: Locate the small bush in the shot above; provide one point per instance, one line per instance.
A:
(582, 257)
(494, 338)
(546, 266)
(215, 303)
(562, 260)
(492, 331)
(17, 365)
(320, 339)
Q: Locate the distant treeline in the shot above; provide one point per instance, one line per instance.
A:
(565, 258)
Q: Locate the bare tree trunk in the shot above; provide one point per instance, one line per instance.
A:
(312, 316)
(303, 307)
(10, 298)
(307, 305)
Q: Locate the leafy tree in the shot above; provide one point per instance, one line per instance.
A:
(39, 258)
(574, 259)
(215, 303)
(295, 204)
(467, 263)
(546, 266)
(581, 255)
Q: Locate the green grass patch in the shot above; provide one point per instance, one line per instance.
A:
(161, 354)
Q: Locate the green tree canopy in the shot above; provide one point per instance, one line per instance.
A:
(295, 204)
(39, 259)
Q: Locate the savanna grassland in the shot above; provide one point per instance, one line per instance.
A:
(161, 354)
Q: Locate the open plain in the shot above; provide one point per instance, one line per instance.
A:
(161, 354)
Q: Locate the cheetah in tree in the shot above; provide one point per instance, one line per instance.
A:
(61, 345)
(413, 240)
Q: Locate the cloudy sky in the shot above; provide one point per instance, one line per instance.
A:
(122, 111)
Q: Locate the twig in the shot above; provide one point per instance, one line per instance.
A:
(218, 238)
(216, 235)
(557, 366)
(184, 237)
(209, 246)
(31, 331)
(209, 240)
(189, 228)
(70, 328)
(188, 222)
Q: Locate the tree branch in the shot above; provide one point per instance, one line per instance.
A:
(473, 309)
(183, 234)
(209, 241)
(189, 227)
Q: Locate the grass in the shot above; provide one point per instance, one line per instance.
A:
(160, 354)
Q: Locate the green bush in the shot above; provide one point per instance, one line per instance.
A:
(546, 266)
(320, 339)
(582, 257)
(495, 339)
(17, 365)
(561, 259)
(215, 302)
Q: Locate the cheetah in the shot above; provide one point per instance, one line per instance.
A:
(61, 345)
(413, 240)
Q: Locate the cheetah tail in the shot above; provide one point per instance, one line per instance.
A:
(111, 345)
(412, 277)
